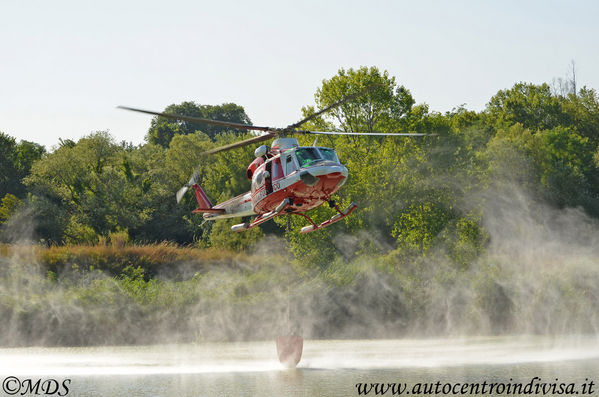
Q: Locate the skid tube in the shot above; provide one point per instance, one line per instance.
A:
(262, 217)
(337, 217)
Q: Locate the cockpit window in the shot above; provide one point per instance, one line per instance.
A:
(289, 163)
(306, 156)
(328, 154)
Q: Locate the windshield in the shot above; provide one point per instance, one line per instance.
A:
(328, 154)
(306, 156)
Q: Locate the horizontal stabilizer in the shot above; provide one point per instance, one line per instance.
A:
(209, 210)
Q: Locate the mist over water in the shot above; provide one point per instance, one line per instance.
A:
(539, 275)
(213, 358)
(331, 367)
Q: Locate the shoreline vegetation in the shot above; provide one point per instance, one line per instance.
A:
(119, 294)
(113, 259)
(151, 294)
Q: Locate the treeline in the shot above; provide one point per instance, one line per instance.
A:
(414, 194)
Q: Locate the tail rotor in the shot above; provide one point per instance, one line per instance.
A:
(195, 178)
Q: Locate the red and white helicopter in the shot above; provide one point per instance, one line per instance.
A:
(285, 178)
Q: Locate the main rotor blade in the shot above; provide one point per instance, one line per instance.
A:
(246, 142)
(338, 103)
(362, 133)
(201, 120)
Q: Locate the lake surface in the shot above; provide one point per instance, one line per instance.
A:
(327, 368)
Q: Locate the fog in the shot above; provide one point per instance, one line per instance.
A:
(538, 275)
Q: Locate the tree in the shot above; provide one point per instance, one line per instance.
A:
(386, 174)
(566, 162)
(91, 189)
(531, 105)
(8, 172)
(583, 109)
(8, 206)
(381, 109)
(162, 129)
(15, 163)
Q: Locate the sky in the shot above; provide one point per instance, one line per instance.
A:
(66, 65)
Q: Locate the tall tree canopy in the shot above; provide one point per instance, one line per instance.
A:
(15, 162)
(380, 109)
(162, 130)
(533, 106)
(8, 147)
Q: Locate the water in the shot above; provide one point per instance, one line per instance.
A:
(328, 368)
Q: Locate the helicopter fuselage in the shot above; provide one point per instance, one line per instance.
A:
(308, 187)
(306, 176)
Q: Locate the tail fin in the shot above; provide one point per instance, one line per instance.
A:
(204, 202)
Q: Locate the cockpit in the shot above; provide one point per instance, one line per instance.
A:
(310, 165)
(290, 161)
(309, 156)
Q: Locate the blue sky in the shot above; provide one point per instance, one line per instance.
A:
(66, 65)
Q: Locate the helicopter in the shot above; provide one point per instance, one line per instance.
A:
(286, 178)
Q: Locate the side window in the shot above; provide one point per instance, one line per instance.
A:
(289, 164)
(277, 170)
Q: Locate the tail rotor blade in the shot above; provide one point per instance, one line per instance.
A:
(195, 177)
(181, 193)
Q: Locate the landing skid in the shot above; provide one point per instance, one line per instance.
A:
(280, 210)
(337, 217)
(262, 217)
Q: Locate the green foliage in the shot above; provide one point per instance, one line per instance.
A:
(26, 154)
(565, 159)
(221, 236)
(418, 226)
(389, 177)
(8, 206)
(316, 248)
(119, 239)
(15, 162)
(531, 105)
(583, 109)
(381, 109)
(79, 233)
(416, 197)
(7, 164)
(555, 164)
(423, 204)
(466, 241)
